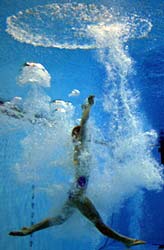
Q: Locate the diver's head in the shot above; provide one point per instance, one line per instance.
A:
(76, 132)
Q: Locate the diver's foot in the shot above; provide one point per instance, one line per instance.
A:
(23, 232)
(135, 243)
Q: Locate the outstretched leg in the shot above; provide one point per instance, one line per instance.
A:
(66, 212)
(86, 207)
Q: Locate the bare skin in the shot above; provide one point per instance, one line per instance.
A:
(77, 198)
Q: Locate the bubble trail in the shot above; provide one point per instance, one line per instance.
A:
(129, 164)
(65, 26)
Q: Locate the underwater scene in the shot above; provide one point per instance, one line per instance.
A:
(81, 125)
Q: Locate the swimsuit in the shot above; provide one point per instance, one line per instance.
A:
(82, 182)
(79, 188)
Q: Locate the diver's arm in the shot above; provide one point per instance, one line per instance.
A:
(81, 136)
(85, 115)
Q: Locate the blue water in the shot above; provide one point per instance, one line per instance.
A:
(125, 73)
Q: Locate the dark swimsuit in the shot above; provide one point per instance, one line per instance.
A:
(79, 187)
(82, 182)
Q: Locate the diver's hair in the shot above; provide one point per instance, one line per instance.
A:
(76, 131)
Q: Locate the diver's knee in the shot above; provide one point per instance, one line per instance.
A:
(57, 220)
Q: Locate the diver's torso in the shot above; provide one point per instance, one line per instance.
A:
(82, 171)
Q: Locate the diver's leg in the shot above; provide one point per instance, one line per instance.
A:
(86, 207)
(66, 212)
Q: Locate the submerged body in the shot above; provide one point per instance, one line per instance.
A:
(77, 198)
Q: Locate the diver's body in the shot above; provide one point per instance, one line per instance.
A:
(77, 195)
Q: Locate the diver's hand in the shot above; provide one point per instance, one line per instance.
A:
(89, 102)
(91, 99)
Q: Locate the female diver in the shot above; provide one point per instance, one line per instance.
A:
(77, 198)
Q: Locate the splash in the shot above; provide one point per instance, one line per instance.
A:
(66, 25)
(47, 141)
(34, 73)
(129, 163)
(49, 134)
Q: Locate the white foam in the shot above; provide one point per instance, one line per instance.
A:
(129, 165)
(62, 106)
(74, 92)
(46, 148)
(104, 33)
(34, 73)
(67, 25)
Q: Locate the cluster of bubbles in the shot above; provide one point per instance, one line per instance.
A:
(129, 163)
(71, 25)
(47, 150)
(34, 73)
(51, 125)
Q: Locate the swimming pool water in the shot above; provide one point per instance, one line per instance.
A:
(124, 71)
